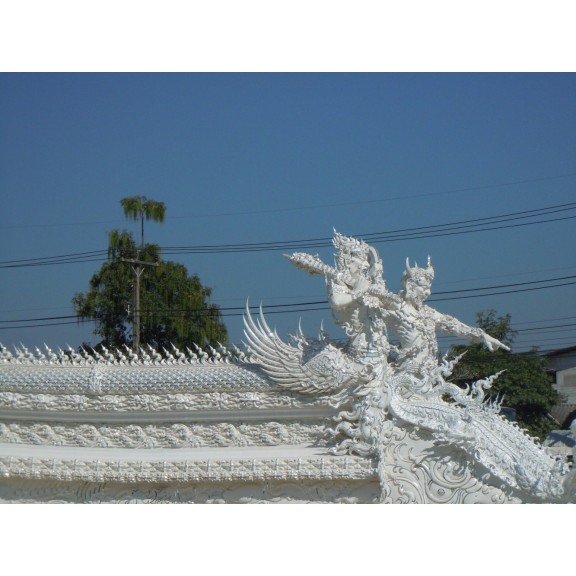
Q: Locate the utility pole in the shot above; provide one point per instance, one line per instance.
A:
(137, 267)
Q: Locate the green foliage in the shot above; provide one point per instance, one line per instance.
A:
(136, 207)
(174, 306)
(524, 384)
(141, 208)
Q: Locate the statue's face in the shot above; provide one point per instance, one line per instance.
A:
(418, 289)
(357, 265)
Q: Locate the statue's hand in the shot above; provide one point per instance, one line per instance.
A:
(362, 286)
(492, 343)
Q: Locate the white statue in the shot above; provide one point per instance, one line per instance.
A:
(405, 315)
(382, 386)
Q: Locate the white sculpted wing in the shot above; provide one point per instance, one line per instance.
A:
(303, 368)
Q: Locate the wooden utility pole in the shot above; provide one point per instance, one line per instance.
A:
(137, 266)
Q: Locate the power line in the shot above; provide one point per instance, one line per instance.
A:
(563, 327)
(61, 257)
(502, 293)
(39, 319)
(317, 304)
(432, 231)
(52, 261)
(561, 319)
(506, 285)
(43, 325)
(459, 227)
(229, 311)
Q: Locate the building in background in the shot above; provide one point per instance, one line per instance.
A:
(562, 368)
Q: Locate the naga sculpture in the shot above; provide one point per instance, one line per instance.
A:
(396, 402)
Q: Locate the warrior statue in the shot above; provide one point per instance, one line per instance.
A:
(368, 312)
(391, 391)
(406, 316)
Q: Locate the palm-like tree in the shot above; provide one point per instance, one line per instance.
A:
(141, 208)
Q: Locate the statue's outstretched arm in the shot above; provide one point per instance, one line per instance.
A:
(492, 343)
(453, 327)
(388, 299)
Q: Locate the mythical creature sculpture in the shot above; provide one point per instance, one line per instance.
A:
(384, 387)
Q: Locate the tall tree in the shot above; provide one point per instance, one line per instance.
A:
(524, 384)
(174, 307)
(141, 208)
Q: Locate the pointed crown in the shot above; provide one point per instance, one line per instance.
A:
(414, 272)
(347, 247)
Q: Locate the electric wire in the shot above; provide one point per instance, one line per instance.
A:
(432, 231)
(451, 229)
(316, 305)
(460, 227)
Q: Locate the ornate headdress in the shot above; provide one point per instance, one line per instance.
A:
(347, 247)
(414, 273)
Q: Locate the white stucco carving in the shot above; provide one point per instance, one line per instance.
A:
(373, 418)
(382, 384)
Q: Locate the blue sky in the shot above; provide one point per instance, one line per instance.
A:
(258, 158)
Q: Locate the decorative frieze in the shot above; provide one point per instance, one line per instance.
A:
(11, 403)
(214, 470)
(178, 435)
